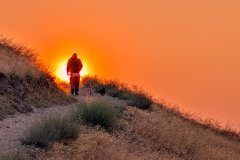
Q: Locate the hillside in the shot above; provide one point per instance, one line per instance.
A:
(24, 84)
(125, 123)
(153, 132)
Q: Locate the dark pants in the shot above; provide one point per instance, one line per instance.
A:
(74, 82)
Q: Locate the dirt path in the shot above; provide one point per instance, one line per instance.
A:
(12, 129)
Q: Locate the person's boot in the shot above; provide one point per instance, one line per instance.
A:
(76, 92)
(72, 91)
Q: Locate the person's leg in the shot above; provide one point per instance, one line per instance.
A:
(77, 81)
(72, 85)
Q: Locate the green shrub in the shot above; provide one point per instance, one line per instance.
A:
(77, 112)
(112, 88)
(125, 94)
(96, 113)
(49, 130)
(140, 100)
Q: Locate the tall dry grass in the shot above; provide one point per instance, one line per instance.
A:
(14, 156)
(98, 112)
(51, 129)
(172, 134)
(17, 59)
(24, 82)
(159, 133)
(95, 144)
(136, 97)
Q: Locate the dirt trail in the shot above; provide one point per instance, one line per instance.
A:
(12, 129)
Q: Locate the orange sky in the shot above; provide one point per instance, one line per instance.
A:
(187, 52)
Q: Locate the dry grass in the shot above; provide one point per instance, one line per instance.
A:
(24, 83)
(174, 135)
(17, 59)
(14, 156)
(161, 133)
(49, 130)
(98, 112)
(96, 144)
(136, 97)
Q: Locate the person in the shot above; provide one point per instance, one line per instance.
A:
(74, 67)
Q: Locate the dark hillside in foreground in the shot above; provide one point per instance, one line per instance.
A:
(24, 84)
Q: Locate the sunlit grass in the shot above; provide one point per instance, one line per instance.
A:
(99, 112)
(25, 83)
(135, 96)
(49, 130)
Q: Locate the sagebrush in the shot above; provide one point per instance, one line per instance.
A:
(51, 129)
(114, 88)
(98, 112)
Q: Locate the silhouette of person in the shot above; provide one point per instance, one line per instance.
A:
(74, 67)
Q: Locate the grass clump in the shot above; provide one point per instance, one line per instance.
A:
(140, 100)
(51, 129)
(24, 82)
(96, 113)
(95, 82)
(114, 88)
(15, 156)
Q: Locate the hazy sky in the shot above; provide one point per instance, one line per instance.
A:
(187, 51)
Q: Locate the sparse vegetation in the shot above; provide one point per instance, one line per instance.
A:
(180, 137)
(49, 130)
(57, 128)
(94, 81)
(163, 133)
(140, 100)
(24, 83)
(136, 97)
(100, 145)
(13, 156)
(96, 113)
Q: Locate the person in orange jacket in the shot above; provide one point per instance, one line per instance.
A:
(74, 66)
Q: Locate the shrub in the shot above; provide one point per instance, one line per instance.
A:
(77, 112)
(49, 130)
(137, 97)
(94, 81)
(15, 156)
(140, 100)
(96, 113)
(112, 88)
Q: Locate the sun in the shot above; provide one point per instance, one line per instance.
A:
(61, 73)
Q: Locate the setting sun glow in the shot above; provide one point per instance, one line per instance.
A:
(61, 73)
(183, 52)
